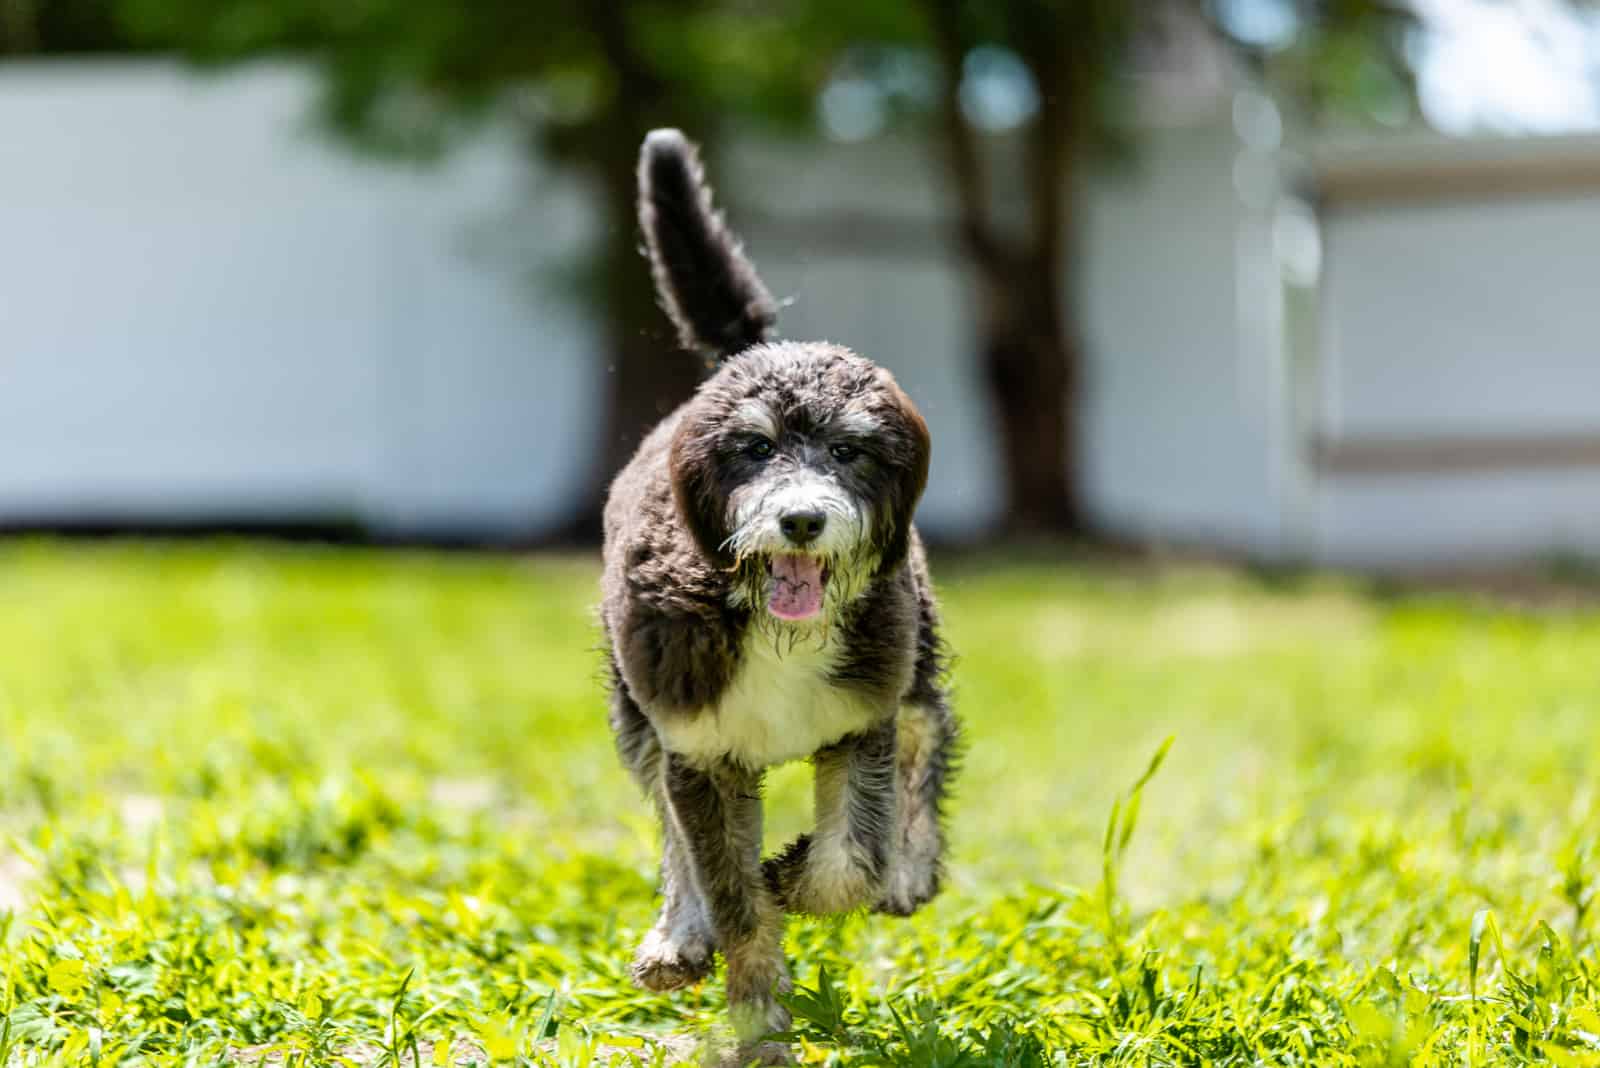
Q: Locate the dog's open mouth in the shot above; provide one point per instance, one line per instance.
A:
(798, 582)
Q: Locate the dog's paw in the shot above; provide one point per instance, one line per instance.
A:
(762, 1053)
(664, 962)
(756, 985)
(756, 1017)
(907, 889)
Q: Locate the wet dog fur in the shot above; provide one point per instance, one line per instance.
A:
(766, 598)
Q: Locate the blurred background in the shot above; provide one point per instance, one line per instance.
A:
(1294, 280)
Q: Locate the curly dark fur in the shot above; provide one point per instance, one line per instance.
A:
(711, 683)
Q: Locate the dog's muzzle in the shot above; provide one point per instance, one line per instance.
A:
(803, 528)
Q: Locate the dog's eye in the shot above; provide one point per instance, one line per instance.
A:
(759, 449)
(845, 453)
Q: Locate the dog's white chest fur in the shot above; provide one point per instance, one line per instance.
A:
(777, 708)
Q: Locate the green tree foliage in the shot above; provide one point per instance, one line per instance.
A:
(399, 73)
(59, 26)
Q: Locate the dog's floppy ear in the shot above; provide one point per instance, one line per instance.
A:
(701, 500)
(707, 287)
(913, 449)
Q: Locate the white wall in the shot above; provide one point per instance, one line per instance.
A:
(1179, 434)
(210, 311)
(1461, 319)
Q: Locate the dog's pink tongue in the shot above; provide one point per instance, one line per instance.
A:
(796, 586)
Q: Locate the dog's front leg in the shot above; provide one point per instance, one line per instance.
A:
(681, 948)
(840, 865)
(928, 739)
(718, 812)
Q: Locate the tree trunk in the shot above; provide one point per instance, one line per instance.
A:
(1029, 358)
(646, 374)
(1030, 363)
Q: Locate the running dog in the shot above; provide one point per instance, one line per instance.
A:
(766, 599)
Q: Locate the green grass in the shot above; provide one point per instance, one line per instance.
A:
(337, 803)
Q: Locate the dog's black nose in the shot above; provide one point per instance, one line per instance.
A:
(802, 528)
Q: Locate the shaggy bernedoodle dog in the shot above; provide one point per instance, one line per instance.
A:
(766, 599)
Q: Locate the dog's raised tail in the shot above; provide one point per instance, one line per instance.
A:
(705, 283)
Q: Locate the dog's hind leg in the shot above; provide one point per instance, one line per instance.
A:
(717, 812)
(680, 949)
(840, 865)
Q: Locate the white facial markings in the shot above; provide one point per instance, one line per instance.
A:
(801, 473)
(759, 508)
(757, 418)
(858, 419)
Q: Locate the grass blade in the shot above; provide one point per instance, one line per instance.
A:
(1155, 763)
(542, 1028)
(1480, 919)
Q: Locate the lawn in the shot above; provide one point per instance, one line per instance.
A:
(273, 802)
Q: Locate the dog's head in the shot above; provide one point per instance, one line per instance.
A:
(798, 466)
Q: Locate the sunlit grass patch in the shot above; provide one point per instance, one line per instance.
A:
(247, 791)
